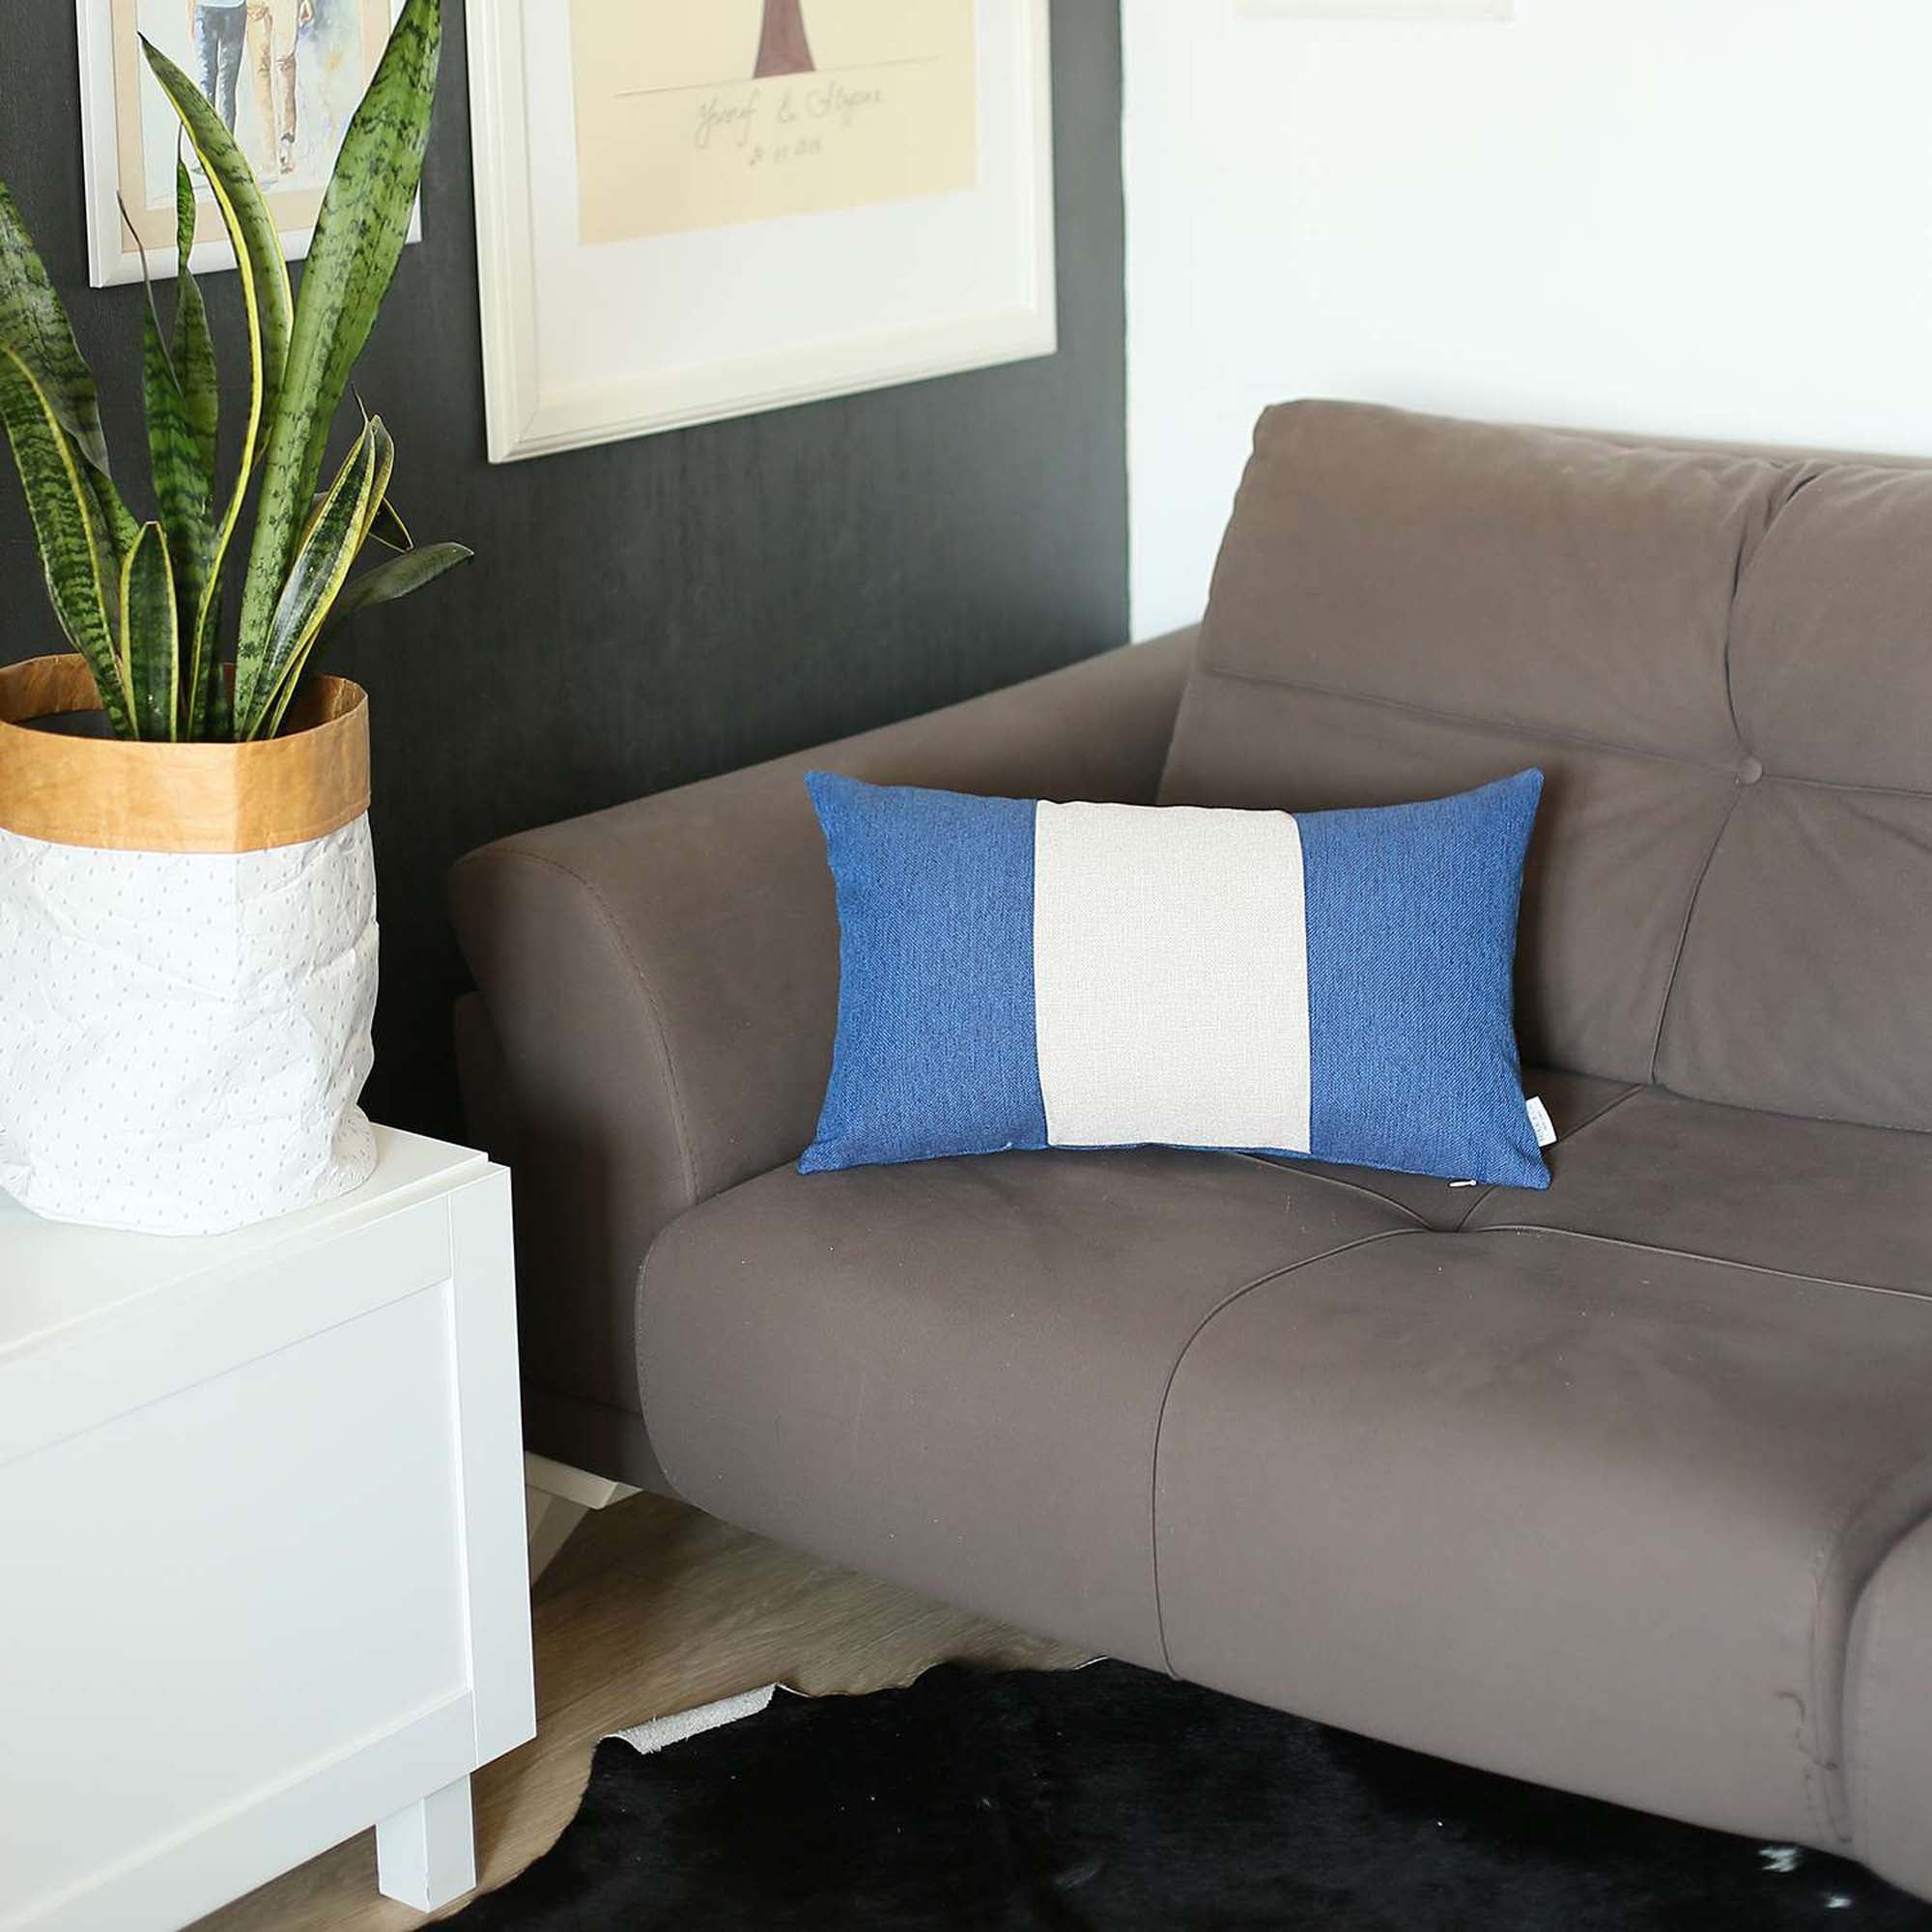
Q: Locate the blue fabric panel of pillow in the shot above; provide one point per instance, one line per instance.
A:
(935, 1050)
(1332, 986)
(1411, 948)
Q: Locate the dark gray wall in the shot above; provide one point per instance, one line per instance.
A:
(649, 613)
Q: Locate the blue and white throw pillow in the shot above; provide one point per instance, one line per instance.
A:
(1332, 985)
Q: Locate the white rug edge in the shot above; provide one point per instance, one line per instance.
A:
(655, 1733)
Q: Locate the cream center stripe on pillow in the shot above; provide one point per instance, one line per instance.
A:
(1171, 976)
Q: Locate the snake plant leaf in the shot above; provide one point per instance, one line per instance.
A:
(386, 525)
(193, 353)
(397, 577)
(34, 325)
(76, 552)
(321, 564)
(181, 465)
(267, 305)
(385, 467)
(117, 525)
(182, 496)
(358, 241)
(388, 529)
(150, 634)
(204, 693)
(215, 720)
(264, 273)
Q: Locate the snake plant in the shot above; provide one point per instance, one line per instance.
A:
(141, 601)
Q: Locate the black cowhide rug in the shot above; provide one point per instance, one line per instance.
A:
(1112, 1798)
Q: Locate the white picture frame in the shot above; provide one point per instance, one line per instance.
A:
(1382, 9)
(559, 376)
(123, 110)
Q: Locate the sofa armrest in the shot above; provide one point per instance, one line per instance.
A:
(662, 979)
(1886, 1745)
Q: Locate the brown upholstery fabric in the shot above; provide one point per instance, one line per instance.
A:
(663, 978)
(951, 1372)
(1587, 1492)
(1627, 1383)
(1549, 581)
(1829, 660)
(1811, 1197)
(1889, 1716)
(1587, 1514)
(1803, 983)
(1626, 1485)
(1719, 660)
(1574, 1100)
(586, 1434)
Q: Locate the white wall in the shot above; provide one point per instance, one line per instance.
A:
(1710, 217)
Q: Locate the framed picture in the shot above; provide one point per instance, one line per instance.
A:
(686, 212)
(1385, 10)
(284, 74)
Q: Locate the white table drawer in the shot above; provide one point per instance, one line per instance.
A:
(83, 1377)
(261, 1566)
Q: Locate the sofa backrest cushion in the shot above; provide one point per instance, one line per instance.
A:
(1722, 660)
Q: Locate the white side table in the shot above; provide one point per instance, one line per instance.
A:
(262, 1570)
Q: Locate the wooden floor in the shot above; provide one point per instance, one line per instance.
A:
(651, 1608)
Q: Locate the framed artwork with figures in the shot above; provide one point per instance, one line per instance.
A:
(696, 208)
(284, 74)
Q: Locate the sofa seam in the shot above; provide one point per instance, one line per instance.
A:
(1746, 555)
(1289, 1164)
(1582, 1126)
(1918, 794)
(1514, 727)
(1837, 1682)
(1817, 1767)
(1715, 1260)
(1683, 933)
(1859, 1801)
(1226, 1303)
(1788, 1114)
(1856, 1739)
(644, 1402)
(615, 931)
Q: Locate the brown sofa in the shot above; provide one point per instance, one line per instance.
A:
(1626, 1487)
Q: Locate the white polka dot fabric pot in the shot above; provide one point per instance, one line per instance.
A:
(187, 965)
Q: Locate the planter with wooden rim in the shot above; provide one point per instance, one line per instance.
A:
(187, 901)
(187, 961)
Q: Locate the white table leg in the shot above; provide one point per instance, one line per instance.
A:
(426, 1855)
(549, 1523)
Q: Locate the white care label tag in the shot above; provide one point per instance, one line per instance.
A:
(1542, 1126)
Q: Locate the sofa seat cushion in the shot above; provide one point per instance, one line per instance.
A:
(952, 1373)
(1574, 1102)
(1811, 1196)
(1591, 1513)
